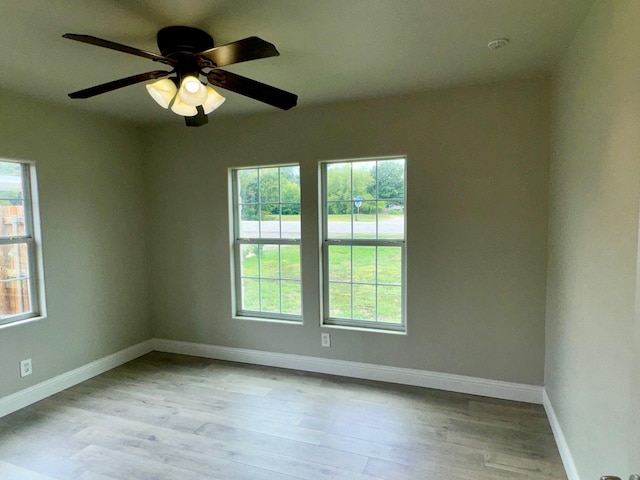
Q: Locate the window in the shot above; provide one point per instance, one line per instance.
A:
(266, 225)
(363, 248)
(21, 294)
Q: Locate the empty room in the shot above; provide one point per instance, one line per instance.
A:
(337, 239)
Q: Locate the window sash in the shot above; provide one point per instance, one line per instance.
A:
(327, 242)
(238, 281)
(354, 322)
(239, 241)
(32, 255)
(33, 293)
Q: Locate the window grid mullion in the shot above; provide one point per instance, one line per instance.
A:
(12, 240)
(280, 273)
(260, 277)
(259, 204)
(376, 280)
(260, 236)
(280, 210)
(368, 242)
(382, 284)
(376, 200)
(269, 241)
(351, 259)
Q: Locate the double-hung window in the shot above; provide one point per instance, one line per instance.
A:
(266, 229)
(21, 291)
(363, 247)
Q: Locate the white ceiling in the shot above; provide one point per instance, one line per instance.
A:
(330, 50)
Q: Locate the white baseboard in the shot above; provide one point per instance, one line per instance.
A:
(561, 441)
(23, 398)
(406, 376)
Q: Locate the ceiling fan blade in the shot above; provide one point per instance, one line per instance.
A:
(123, 82)
(119, 47)
(197, 120)
(252, 89)
(251, 48)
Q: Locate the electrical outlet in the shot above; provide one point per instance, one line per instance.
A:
(326, 339)
(25, 367)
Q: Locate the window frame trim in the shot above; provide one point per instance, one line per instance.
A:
(32, 238)
(237, 241)
(352, 324)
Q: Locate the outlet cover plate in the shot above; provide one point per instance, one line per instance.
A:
(325, 339)
(25, 367)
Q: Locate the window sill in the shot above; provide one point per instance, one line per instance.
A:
(268, 320)
(355, 328)
(22, 322)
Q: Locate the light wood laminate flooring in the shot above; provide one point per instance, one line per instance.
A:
(175, 417)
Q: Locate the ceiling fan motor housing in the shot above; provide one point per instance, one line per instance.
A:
(176, 41)
(181, 43)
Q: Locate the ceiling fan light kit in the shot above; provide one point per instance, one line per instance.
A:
(183, 109)
(162, 91)
(191, 53)
(214, 100)
(192, 92)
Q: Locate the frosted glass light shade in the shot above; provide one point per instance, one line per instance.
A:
(162, 91)
(192, 91)
(213, 101)
(182, 108)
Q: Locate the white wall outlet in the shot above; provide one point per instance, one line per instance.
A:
(25, 367)
(326, 339)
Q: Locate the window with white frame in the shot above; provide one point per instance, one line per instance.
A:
(266, 226)
(363, 247)
(21, 291)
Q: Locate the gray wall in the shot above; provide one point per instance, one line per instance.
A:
(477, 223)
(593, 332)
(477, 247)
(93, 226)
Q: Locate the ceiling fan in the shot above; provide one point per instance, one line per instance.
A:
(191, 53)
